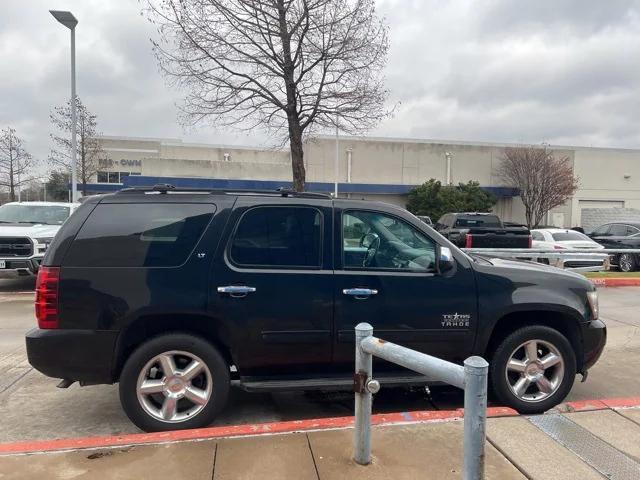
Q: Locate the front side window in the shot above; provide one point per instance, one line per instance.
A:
(618, 230)
(139, 235)
(374, 240)
(280, 237)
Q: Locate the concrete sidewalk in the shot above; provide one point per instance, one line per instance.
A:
(585, 445)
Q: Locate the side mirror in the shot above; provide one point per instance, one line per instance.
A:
(446, 262)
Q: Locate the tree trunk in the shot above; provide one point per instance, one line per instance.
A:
(297, 156)
(293, 118)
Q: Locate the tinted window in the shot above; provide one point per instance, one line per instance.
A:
(374, 240)
(632, 230)
(278, 237)
(139, 235)
(569, 236)
(601, 231)
(490, 221)
(618, 230)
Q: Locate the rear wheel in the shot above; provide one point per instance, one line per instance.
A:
(174, 381)
(627, 262)
(533, 369)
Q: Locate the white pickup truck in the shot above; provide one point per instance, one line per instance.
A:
(26, 229)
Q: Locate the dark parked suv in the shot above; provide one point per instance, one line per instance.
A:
(174, 294)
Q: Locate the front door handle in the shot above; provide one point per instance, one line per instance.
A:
(236, 291)
(360, 293)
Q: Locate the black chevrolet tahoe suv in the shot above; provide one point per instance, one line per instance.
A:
(178, 294)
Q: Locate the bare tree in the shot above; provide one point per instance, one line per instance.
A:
(88, 149)
(544, 180)
(16, 164)
(292, 66)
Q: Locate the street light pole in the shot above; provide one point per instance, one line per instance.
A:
(68, 20)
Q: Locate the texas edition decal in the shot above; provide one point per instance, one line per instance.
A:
(450, 320)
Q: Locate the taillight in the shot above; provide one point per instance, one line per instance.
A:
(468, 241)
(530, 241)
(558, 247)
(47, 297)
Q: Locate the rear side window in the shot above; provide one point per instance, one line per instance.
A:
(278, 237)
(537, 236)
(601, 231)
(618, 230)
(139, 235)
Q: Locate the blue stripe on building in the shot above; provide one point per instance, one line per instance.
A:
(323, 187)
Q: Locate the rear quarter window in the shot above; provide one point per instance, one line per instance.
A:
(139, 235)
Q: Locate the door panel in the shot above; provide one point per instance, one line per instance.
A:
(281, 324)
(413, 306)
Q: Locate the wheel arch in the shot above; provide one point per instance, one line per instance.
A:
(564, 322)
(148, 326)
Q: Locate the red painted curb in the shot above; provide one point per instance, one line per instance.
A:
(616, 282)
(239, 430)
(583, 406)
(425, 416)
(623, 402)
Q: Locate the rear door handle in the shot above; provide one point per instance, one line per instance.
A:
(360, 293)
(236, 291)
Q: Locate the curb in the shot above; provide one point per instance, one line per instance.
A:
(615, 282)
(333, 423)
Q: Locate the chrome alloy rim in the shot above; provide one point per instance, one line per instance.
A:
(534, 371)
(625, 262)
(174, 386)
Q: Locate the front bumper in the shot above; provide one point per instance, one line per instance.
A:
(20, 266)
(594, 338)
(81, 355)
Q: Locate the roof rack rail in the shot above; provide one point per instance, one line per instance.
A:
(164, 188)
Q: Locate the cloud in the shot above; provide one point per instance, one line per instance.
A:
(560, 71)
(556, 71)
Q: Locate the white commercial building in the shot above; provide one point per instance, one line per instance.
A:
(373, 168)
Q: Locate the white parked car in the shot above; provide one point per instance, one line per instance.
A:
(563, 239)
(26, 230)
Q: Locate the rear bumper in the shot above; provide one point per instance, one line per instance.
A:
(81, 355)
(594, 338)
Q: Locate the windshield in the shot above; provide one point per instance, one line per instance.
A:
(34, 214)
(569, 236)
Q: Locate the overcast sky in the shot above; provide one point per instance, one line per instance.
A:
(558, 71)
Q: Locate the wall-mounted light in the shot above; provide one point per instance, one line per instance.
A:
(627, 176)
(227, 157)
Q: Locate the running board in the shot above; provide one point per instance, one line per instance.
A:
(339, 383)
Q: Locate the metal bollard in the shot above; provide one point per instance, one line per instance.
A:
(476, 370)
(362, 441)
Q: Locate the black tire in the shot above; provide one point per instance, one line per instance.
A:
(498, 369)
(627, 262)
(218, 368)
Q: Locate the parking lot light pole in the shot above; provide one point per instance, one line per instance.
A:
(68, 20)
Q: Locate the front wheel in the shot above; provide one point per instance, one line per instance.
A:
(533, 369)
(174, 381)
(627, 262)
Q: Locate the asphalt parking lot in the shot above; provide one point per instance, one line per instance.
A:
(34, 409)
